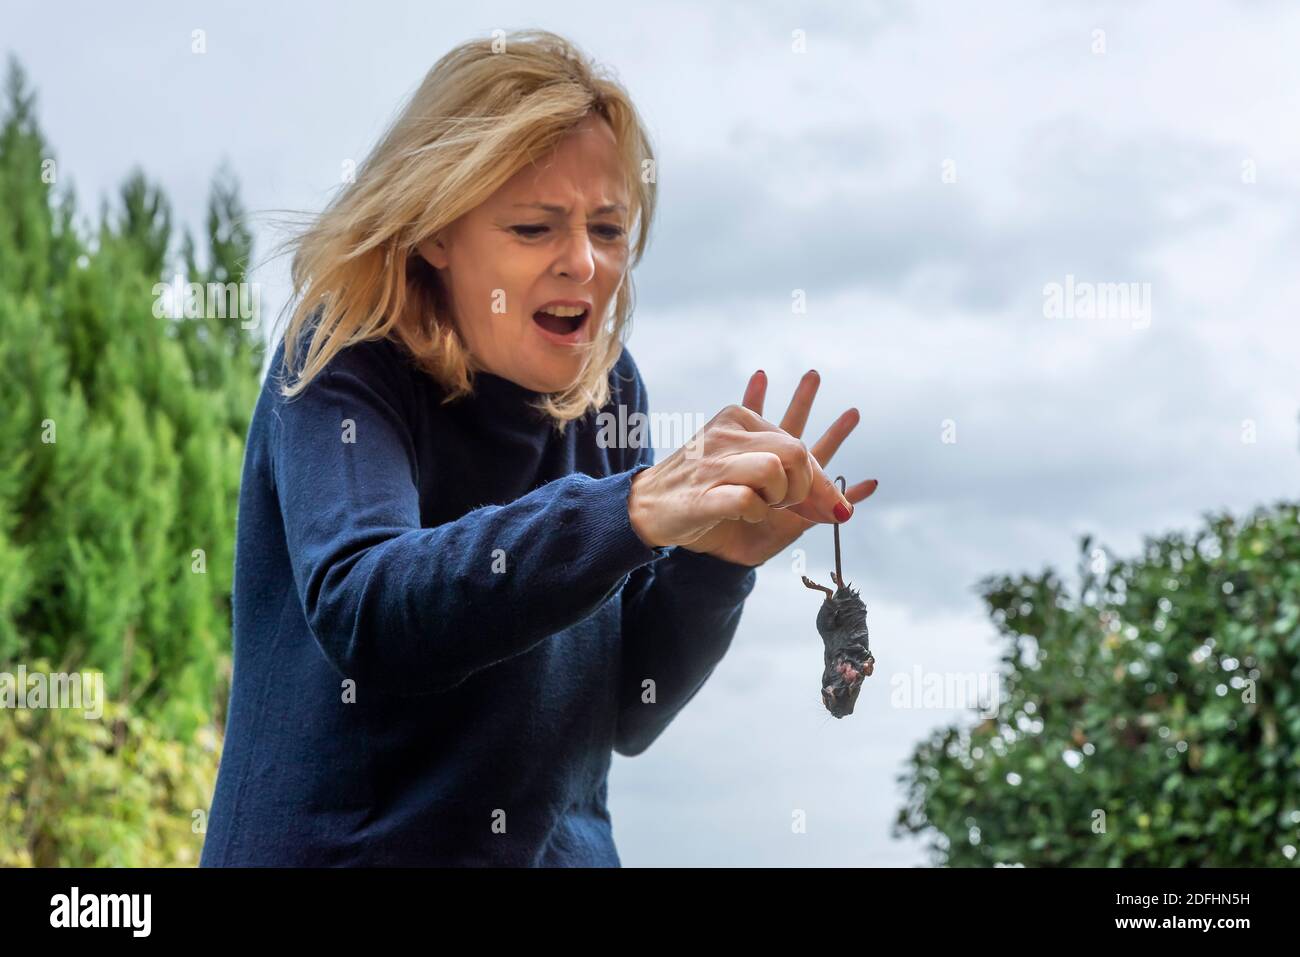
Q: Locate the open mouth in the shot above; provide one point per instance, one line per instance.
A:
(562, 323)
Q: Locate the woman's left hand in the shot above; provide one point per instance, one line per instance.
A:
(746, 543)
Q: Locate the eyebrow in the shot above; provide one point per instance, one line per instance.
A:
(550, 208)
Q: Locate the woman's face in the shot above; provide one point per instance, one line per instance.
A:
(555, 231)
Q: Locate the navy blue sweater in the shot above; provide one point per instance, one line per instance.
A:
(444, 625)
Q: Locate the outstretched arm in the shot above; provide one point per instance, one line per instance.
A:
(415, 610)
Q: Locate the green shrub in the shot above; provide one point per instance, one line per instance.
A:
(111, 791)
(1151, 720)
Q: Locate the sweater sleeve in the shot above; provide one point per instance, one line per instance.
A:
(413, 610)
(679, 616)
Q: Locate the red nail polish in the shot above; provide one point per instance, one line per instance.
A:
(841, 513)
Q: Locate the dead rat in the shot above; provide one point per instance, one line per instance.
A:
(842, 623)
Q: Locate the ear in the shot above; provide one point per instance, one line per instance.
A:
(434, 252)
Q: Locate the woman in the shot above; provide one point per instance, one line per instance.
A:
(454, 599)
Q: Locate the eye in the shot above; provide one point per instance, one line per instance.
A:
(606, 231)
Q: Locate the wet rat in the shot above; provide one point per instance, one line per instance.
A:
(842, 623)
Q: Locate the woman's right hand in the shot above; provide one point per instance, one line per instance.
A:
(739, 466)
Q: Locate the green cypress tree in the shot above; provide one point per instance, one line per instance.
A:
(120, 453)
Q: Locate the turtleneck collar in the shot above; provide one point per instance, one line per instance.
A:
(503, 397)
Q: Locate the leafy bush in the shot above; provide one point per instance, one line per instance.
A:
(109, 791)
(1149, 721)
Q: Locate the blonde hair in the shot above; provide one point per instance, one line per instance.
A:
(484, 111)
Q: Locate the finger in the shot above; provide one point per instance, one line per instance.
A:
(794, 456)
(764, 472)
(862, 490)
(819, 503)
(823, 499)
(747, 418)
(755, 392)
(855, 494)
(796, 416)
(734, 502)
(829, 444)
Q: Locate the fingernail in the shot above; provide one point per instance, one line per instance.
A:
(842, 512)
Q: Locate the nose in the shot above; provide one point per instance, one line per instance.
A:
(576, 261)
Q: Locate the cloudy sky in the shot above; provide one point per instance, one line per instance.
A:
(922, 172)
